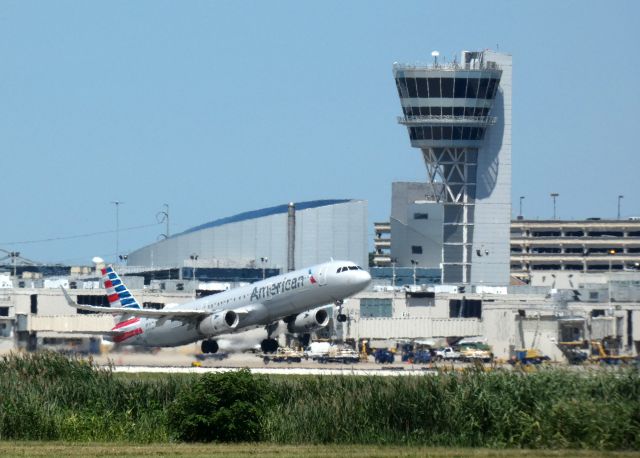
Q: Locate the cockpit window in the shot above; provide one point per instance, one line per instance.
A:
(353, 268)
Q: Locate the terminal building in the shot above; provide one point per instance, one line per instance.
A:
(280, 238)
(592, 245)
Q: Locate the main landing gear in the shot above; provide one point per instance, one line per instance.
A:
(341, 318)
(270, 345)
(209, 346)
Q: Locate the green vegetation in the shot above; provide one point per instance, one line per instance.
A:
(44, 396)
(224, 407)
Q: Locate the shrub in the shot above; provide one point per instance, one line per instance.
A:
(224, 407)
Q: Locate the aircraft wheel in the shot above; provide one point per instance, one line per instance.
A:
(305, 339)
(269, 345)
(209, 346)
(342, 317)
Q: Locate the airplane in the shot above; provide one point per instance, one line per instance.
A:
(298, 298)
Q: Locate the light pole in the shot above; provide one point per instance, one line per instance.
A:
(554, 195)
(117, 203)
(520, 214)
(620, 197)
(414, 264)
(264, 263)
(194, 258)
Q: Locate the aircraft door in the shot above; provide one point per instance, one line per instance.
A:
(322, 276)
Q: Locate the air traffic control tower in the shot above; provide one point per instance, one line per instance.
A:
(459, 116)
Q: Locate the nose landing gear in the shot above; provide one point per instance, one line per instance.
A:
(341, 317)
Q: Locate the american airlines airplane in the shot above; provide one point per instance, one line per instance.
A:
(299, 298)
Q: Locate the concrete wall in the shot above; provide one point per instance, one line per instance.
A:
(407, 231)
(491, 233)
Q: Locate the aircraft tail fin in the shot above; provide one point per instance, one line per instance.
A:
(117, 293)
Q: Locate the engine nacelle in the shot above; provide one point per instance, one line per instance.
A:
(219, 323)
(309, 321)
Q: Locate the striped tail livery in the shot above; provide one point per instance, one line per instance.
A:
(117, 293)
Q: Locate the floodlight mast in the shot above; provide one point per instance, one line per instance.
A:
(117, 203)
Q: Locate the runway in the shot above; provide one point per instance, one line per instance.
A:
(349, 371)
(184, 361)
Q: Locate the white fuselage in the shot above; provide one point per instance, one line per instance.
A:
(258, 304)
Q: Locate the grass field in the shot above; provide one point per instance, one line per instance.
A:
(58, 449)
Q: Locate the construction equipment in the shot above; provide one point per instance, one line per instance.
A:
(600, 354)
(576, 352)
(528, 356)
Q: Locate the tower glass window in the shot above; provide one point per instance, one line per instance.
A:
(434, 88)
(447, 87)
(460, 88)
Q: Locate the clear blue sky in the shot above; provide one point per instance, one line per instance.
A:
(221, 107)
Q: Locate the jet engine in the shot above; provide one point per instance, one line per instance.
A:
(309, 321)
(219, 323)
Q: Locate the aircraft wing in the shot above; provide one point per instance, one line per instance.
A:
(148, 313)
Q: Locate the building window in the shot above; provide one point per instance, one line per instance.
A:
(472, 88)
(416, 249)
(434, 87)
(95, 300)
(411, 87)
(375, 308)
(460, 88)
(465, 308)
(153, 305)
(423, 91)
(447, 87)
(4, 311)
(421, 216)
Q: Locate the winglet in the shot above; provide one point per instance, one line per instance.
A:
(68, 298)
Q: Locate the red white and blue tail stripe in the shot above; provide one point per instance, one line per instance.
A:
(117, 293)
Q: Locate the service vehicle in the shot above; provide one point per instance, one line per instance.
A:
(447, 353)
(383, 356)
(339, 354)
(283, 355)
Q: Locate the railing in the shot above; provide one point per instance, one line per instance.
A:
(450, 67)
(483, 120)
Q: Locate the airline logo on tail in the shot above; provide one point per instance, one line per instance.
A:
(117, 293)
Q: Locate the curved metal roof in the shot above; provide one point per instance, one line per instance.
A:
(264, 212)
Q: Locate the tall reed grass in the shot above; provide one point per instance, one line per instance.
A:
(44, 396)
(549, 408)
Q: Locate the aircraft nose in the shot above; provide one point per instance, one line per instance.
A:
(363, 278)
